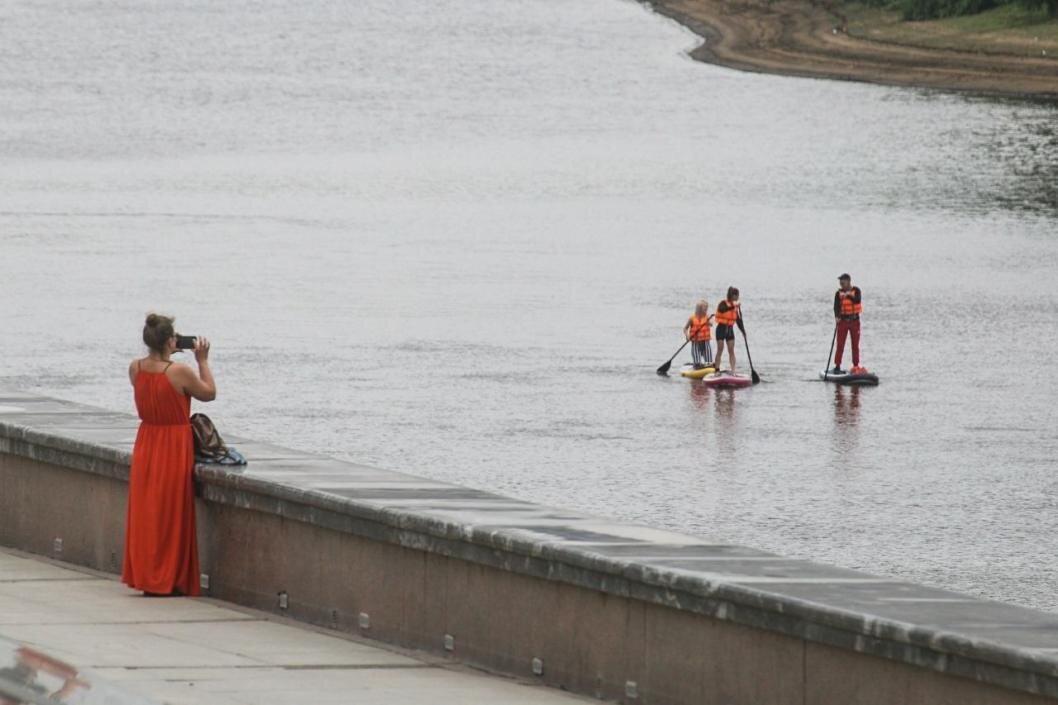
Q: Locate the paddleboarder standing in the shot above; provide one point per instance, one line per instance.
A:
(698, 330)
(848, 305)
(727, 317)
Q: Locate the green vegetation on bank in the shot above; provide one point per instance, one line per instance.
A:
(1009, 28)
(934, 9)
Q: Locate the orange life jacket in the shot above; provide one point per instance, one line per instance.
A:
(729, 317)
(848, 308)
(700, 329)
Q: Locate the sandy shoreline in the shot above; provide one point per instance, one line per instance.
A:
(800, 38)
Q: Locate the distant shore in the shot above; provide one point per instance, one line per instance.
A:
(802, 38)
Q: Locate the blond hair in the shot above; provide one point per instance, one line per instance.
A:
(701, 309)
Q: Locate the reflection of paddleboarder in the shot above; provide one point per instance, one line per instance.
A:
(848, 305)
(847, 405)
(28, 663)
(699, 395)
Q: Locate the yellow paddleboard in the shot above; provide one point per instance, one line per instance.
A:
(690, 372)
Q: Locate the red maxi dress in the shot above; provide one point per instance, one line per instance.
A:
(161, 552)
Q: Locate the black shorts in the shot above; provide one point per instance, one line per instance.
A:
(725, 332)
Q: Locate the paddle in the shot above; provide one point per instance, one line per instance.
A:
(753, 373)
(826, 370)
(664, 369)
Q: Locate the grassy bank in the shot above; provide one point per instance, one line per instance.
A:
(1009, 29)
(999, 52)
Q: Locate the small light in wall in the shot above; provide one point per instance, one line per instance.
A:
(538, 666)
(203, 581)
(364, 620)
(450, 642)
(631, 690)
(56, 545)
(284, 601)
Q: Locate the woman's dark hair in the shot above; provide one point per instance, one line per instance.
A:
(157, 330)
(732, 292)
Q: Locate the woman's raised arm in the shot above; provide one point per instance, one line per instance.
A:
(200, 386)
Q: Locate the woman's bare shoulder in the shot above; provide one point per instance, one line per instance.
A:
(180, 369)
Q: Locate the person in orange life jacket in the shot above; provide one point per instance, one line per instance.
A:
(848, 305)
(727, 317)
(698, 330)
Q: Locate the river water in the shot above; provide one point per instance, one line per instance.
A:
(455, 238)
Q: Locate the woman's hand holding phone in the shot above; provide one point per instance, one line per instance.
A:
(201, 350)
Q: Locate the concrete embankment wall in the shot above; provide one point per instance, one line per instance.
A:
(622, 612)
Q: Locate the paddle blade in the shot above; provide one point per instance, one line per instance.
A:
(664, 369)
(755, 377)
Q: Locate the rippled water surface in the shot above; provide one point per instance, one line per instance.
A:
(455, 238)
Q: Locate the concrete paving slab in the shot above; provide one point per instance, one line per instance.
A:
(87, 600)
(279, 644)
(130, 645)
(14, 569)
(277, 686)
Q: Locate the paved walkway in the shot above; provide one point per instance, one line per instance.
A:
(201, 651)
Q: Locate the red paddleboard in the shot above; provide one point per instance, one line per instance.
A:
(726, 379)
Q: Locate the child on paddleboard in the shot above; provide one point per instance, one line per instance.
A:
(698, 330)
(727, 317)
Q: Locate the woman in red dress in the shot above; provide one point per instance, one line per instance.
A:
(161, 553)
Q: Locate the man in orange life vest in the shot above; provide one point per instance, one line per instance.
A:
(847, 309)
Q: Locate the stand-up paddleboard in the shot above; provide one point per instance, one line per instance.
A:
(862, 378)
(726, 379)
(692, 372)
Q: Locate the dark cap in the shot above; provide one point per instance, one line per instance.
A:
(845, 276)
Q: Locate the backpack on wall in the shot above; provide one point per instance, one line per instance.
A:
(209, 446)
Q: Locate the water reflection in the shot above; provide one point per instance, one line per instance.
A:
(699, 395)
(1034, 168)
(846, 433)
(1026, 159)
(847, 405)
(725, 409)
(723, 402)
